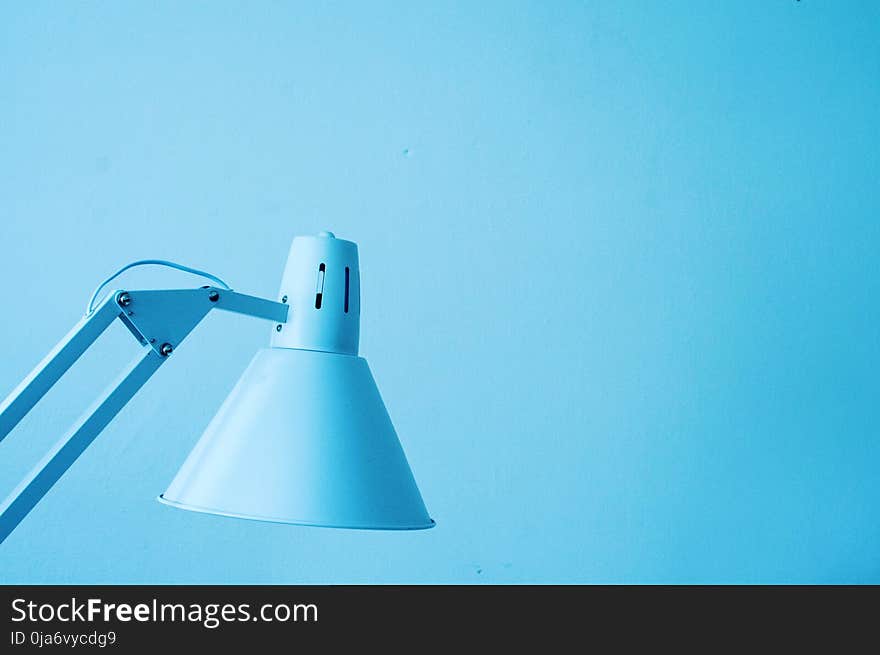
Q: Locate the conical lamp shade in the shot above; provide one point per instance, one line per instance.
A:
(303, 438)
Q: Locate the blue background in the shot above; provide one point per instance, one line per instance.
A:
(619, 267)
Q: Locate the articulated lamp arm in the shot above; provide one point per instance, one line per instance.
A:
(159, 320)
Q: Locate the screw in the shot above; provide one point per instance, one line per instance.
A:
(124, 299)
(284, 299)
(278, 328)
(213, 296)
(166, 349)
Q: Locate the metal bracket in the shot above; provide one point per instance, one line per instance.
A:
(160, 319)
(163, 318)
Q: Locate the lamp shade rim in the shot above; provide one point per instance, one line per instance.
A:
(289, 521)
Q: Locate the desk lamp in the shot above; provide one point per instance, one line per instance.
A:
(304, 436)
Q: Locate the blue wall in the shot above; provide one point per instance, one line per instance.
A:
(619, 266)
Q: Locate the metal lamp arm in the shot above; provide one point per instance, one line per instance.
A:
(159, 320)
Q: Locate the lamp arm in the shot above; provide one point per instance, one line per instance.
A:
(35, 385)
(159, 320)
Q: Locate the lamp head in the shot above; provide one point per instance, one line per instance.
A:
(304, 437)
(322, 285)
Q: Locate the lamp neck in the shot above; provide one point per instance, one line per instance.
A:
(321, 283)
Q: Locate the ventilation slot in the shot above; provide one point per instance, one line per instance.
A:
(347, 286)
(319, 287)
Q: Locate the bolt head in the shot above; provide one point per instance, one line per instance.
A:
(124, 299)
(278, 328)
(213, 296)
(166, 349)
(284, 299)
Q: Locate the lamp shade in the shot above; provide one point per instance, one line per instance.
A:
(304, 437)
